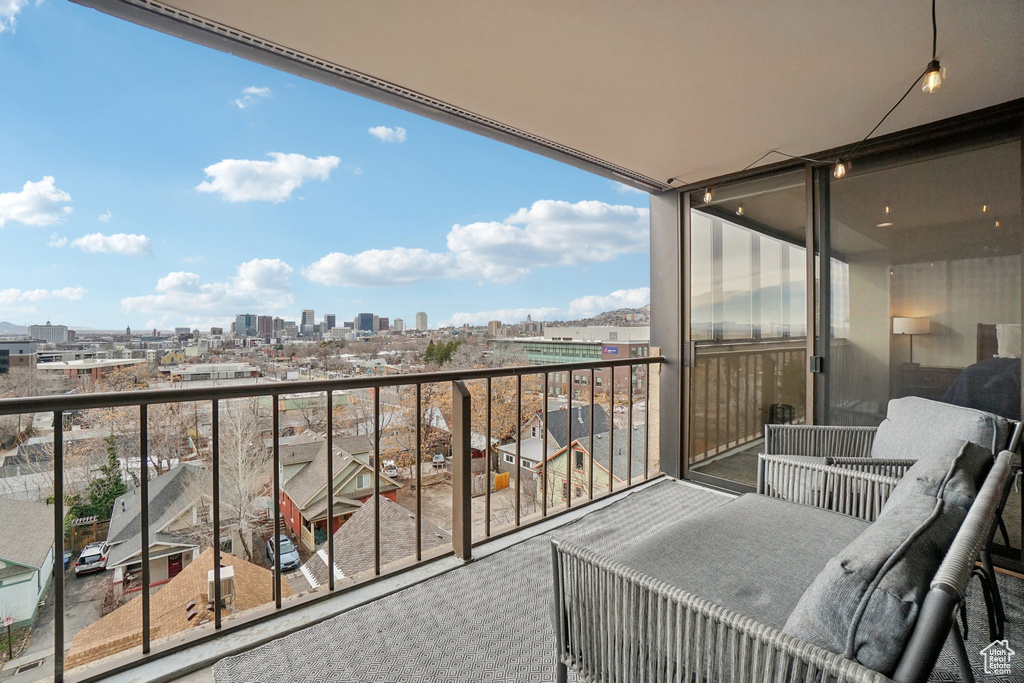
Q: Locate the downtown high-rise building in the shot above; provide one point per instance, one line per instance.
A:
(383, 324)
(278, 324)
(245, 325)
(51, 334)
(265, 325)
(329, 320)
(308, 318)
(398, 325)
(421, 321)
(364, 322)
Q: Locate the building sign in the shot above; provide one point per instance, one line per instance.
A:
(610, 350)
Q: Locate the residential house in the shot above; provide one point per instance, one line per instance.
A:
(179, 503)
(353, 542)
(181, 605)
(304, 487)
(611, 457)
(26, 556)
(557, 422)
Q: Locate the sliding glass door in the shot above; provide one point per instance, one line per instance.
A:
(925, 285)
(748, 312)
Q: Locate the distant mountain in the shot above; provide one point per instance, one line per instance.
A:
(625, 317)
(11, 328)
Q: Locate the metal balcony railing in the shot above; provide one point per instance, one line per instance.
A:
(733, 388)
(461, 438)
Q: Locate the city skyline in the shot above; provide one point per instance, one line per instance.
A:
(273, 193)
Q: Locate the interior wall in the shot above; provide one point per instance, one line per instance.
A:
(955, 296)
(868, 335)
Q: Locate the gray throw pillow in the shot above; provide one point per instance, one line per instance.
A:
(914, 426)
(954, 469)
(865, 602)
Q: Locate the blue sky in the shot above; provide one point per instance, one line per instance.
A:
(147, 181)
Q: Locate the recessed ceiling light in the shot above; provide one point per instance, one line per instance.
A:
(884, 225)
(984, 208)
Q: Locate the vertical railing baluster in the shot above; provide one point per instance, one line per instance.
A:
(647, 422)
(144, 519)
(215, 493)
(276, 421)
(58, 545)
(570, 455)
(718, 404)
(519, 439)
(544, 448)
(376, 481)
(611, 432)
(593, 434)
(629, 428)
(419, 471)
(707, 401)
(330, 492)
(487, 452)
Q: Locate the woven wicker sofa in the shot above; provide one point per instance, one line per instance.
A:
(797, 459)
(759, 589)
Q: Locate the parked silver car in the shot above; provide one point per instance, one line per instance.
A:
(92, 559)
(289, 553)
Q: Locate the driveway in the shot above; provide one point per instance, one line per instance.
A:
(83, 600)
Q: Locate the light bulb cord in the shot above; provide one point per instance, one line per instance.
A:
(935, 31)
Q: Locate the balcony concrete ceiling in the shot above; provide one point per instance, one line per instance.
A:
(662, 88)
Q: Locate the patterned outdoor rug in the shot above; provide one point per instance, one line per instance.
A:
(490, 621)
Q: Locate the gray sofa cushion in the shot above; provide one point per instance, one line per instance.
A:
(914, 427)
(957, 477)
(864, 604)
(754, 555)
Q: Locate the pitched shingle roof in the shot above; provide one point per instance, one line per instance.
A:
(26, 532)
(557, 423)
(304, 486)
(621, 443)
(121, 629)
(353, 542)
(169, 494)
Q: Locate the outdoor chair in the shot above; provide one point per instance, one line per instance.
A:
(761, 588)
(790, 467)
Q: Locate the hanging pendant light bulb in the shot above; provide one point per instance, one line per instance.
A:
(840, 170)
(933, 77)
(708, 196)
(933, 73)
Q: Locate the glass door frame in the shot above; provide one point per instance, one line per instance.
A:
(689, 347)
(1000, 123)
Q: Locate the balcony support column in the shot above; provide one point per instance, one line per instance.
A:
(670, 324)
(462, 498)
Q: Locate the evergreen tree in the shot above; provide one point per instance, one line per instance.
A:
(106, 488)
(430, 355)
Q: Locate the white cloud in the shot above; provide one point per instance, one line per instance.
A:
(57, 240)
(39, 203)
(586, 306)
(553, 233)
(385, 134)
(244, 180)
(582, 307)
(104, 217)
(259, 284)
(8, 10)
(118, 243)
(622, 188)
(250, 96)
(380, 267)
(11, 297)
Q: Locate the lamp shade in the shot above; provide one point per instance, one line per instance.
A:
(911, 325)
